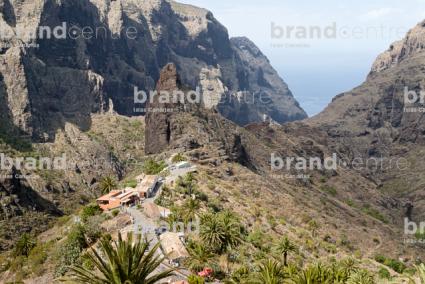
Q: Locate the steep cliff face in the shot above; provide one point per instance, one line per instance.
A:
(375, 120)
(267, 90)
(110, 47)
(187, 126)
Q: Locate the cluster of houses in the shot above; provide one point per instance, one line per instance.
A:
(117, 198)
(170, 242)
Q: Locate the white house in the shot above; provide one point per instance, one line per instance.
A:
(180, 165)
(145, 187)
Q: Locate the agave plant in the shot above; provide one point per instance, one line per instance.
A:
(126, 263)
(306, 276)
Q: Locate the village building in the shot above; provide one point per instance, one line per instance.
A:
(403, 258)
(145, 186)
(115, 199)
(171, 243)
(164, 211)
(151, 210)
(180, 165)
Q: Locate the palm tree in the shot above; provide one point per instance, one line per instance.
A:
(230, 239)
(313, 225)
(291, 269)
(228, 214)
(340, 274)
(285, 246)
(270, 272)
(362, 276)
(349, 264)
(107, 184)
(324, 273)
(23, 246)
(190, 209)
(171, 219)
(206, 218)
(190, 177)
(220, 235)
(238, 276)
(306, 276)
(124, 264)
(178, 158)
(200, 257)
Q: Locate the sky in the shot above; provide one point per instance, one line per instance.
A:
(358, 31)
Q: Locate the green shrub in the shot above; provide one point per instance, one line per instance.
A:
(311, 180)
(364, 229)
(332, 259)
(305, 218)
(115, 212)
(152, 167)
(350, 203)
(397, 266)
(193, 279)
(375, 240)
(132, 183)
(379, 258)
(211, 186)
(256, 239)
(62, 220)
(322, 179)
(90, 210)
(68, 254)
(76, 236)
(272, 223)
(375, 214)
(358, 254)
(328, 189)
(384, 273)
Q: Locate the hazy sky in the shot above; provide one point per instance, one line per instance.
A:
(329, 66)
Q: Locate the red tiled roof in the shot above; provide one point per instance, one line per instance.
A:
(109, 195)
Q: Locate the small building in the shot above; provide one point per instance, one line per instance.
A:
(146, 186)
(403, 258)
(115, 199)
(164, 211)
(151, 210)
(171, 243)
(181, 165)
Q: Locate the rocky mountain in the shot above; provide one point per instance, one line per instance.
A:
(377, 121)
(89, 56)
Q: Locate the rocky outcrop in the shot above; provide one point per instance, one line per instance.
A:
(185, 126)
